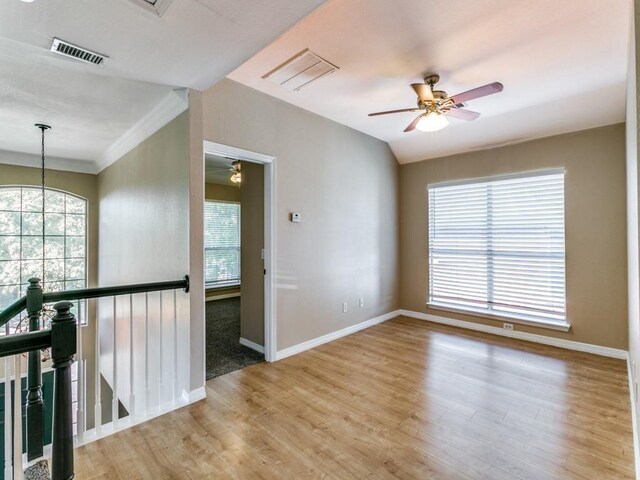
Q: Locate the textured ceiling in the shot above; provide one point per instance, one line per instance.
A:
(217, 170)
(195, 44)
(563, 66)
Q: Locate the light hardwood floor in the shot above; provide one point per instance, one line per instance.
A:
(404, 399)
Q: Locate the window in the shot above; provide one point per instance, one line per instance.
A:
(222, 244)
(21, 249)
(496, 246)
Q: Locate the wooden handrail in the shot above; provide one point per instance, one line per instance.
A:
(61, 338)
(85, 293)
(21, 304)
(12, 310)
(24, 342)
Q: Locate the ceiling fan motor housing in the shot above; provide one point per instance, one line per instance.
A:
(432, 79)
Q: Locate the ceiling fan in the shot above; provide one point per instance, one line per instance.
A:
(435, 105)
(234, 167)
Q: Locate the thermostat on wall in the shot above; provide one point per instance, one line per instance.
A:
(296, 217)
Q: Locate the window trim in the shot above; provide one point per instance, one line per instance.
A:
(83, 321)
(208, 286)
(499, 177)
(535, 321)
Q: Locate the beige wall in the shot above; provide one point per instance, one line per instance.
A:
(224, 193)
(252, 243)
(345, 185)
(633, 91)
(144, 237)
(595, 227)
(196, 245)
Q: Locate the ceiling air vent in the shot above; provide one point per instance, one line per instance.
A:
(74, 51)
(300, 70)
(154, 6)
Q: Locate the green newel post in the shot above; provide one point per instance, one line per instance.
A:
(35, 422)
(63, 348)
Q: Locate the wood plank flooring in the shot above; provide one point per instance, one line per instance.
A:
(404, 399)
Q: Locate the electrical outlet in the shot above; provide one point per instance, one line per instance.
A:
(507, 326)
(361, 302)
(344, 307)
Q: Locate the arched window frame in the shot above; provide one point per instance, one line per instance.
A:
(74, 217)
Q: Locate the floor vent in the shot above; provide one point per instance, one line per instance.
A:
(74, 51)
(300, 70)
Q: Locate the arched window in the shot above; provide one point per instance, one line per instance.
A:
(62, 263)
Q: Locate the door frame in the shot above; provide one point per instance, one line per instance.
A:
(269, 162)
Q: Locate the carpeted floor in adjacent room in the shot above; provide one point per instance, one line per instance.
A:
(224, 352)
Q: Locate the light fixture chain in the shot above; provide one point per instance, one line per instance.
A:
(43, 128)
(43, 205)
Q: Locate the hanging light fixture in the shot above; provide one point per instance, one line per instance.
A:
(236, 177)
(432, 121)
(43, 128)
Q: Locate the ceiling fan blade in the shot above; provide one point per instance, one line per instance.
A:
(413, 124)
(462, 114)
(394, 111)
(423, 91)
(483, 91)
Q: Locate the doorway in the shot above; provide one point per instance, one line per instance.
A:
(238, 258)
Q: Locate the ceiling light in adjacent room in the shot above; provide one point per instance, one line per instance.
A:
(237, 175)
(432, 122)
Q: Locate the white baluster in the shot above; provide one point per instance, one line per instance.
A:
(97, 401)
(132, 396)
(114, 401)
(8, 427)
(83, 387)
(161, 396)
(18, 469)
(175, 349)
(147, 391)
(80, 425)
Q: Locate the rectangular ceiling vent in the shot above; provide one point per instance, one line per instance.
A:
(154, 6)
(79, 53)
(300, 70)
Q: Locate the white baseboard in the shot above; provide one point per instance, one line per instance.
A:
(128, 422)
(194, 395)
(636, 441)
(531, 337)
(301, 347)
(252, 345)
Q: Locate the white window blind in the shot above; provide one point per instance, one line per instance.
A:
(497, 246)
(222, 243)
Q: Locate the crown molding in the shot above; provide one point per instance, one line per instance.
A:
(176, 102)
(52, 163)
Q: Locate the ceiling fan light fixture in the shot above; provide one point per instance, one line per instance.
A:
(236, 177)
(432, 122)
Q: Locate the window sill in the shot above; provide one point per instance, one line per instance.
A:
(213, 288)
(548, 324)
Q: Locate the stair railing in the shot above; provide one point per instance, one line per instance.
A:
(65, 341)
